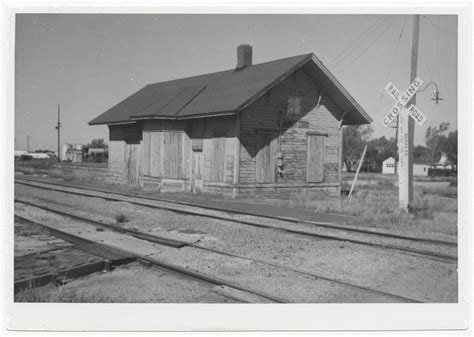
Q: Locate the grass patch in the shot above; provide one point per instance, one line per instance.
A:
(37, 164)
(25, 170)
(83, 176)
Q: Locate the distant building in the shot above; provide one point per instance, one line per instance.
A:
(71, 152)
(388, 166)
(421, 167)
(64, 148)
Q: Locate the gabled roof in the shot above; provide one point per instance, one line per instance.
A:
(226, 92)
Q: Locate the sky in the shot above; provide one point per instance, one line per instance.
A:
(89, 62)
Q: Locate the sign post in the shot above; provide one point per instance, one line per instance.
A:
(406, 124)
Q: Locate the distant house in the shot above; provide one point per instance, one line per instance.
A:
(388, 166)
(253, 129)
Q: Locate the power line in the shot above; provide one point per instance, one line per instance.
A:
(365, 49)
(389, 72)
(437, 54)
(355, 43)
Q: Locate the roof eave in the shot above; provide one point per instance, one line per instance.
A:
(92, 123)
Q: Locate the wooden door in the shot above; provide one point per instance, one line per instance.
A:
(266, 157)
(132, 163)
(315, 159)
(218, 156)
(196, 171)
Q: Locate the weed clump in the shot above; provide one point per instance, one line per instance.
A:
(121, 218)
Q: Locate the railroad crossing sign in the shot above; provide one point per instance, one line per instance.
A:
(401, 100)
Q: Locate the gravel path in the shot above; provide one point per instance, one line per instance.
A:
(397, 273)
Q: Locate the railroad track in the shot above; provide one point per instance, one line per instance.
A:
(103, 249)
(100, 248)
(440, 250)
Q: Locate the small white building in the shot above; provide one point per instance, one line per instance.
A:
(421, 168)
(388, 166)
(64, 148)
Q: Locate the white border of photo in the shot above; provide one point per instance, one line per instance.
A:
(441, 318)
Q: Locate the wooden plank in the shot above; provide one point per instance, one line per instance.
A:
(266, 157)
(315, 159)
(155, 154)
(146, 152)
(179, 154)
(218, 157)
(172, 154)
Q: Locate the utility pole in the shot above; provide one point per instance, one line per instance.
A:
(396, 145)
(406, 129)
(28, 143)
(58, 127)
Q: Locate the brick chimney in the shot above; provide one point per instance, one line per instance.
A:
(244, 56)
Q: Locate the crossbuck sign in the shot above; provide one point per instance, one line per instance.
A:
(401, 100)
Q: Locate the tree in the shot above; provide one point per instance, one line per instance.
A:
(450, 147)
(379, 149)
(354, 138)
(421, 153)
(435, 138)
(97, 143)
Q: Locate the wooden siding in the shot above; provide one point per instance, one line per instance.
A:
(116, 158)
(266, 112)
(218, 165)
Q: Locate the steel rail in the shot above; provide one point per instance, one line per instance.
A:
(183, 243)
(288, 219)
(424, 253)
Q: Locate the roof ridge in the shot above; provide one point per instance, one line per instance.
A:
(227, 70)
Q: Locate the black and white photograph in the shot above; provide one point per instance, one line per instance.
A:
(236, 158)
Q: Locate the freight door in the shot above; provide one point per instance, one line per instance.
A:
(132, 162)
(196, 174)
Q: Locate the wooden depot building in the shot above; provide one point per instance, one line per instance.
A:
(254, 129)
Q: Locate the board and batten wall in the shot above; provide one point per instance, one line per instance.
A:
(163, 156)
(314, 126)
